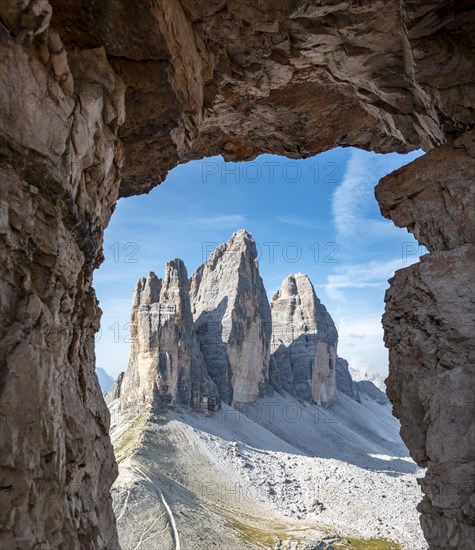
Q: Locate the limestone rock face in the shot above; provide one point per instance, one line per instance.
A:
(434, 196)
(232, 319)
(429, 330)
(166, 366)
(344, 381)
(114, 392)
(304, 341)
(295, 77)
(60, 160)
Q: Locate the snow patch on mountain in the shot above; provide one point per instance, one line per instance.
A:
(376, 377)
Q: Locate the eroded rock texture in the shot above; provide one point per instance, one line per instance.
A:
(232, 319)
(201, 77)
(166, 366)
(59, 176)
(429, 330)
(344, 381)
(288, 77)
(304, 342)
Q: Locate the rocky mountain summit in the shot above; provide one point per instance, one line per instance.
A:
(214, 344)
(215, 337)
(304, 341)
(232, 319)
(166, 365)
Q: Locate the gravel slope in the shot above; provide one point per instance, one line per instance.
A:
(276, 475)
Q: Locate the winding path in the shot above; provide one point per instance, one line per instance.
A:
(171, 517)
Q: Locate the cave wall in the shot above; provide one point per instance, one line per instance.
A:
(100, 98)
(59, 176)
(430, 332)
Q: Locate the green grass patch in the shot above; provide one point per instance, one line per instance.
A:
(130, 440)
(267, 538)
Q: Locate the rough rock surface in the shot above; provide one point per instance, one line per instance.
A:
(232, 319)
(429, 329)
(304, 342)
(434, 196)
(114, 392)
(287, 77)
(344, 381)
(166, 366)
(198, 78)
(60, 157)
(428, 323)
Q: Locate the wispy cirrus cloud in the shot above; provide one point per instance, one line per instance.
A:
(353, 204)
(307, 223)
(373, 274)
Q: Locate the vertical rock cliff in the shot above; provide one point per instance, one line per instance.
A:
(60, 161)
(224, 352)
(304, 341)
(166, 365)
(429, 325)
(232, 319)
(344, 380)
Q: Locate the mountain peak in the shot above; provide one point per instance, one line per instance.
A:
(295, 284)
(166, 365)
(175, 269)
(304, 341)
(241, 243)
(230, 307)
(147, 290)
(242, 234)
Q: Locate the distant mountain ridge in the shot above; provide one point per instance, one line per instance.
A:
(377, 378)
(105, 380)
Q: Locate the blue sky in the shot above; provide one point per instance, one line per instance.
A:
(317, 216)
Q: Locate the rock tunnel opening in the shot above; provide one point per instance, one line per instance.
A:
(317, 216)
(317, 208)
(100, 99)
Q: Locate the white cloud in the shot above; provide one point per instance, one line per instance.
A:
(374, 274)
(360, 228)
(354, 197)
(367, 352)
